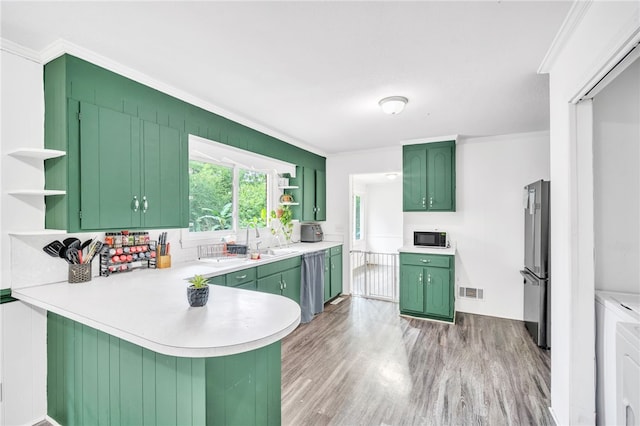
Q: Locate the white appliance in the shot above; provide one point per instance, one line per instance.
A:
(611, 308)
(628, 372)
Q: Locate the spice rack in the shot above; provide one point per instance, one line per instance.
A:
(127, 258)
(125, 251)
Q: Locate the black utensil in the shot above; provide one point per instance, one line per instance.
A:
(72, 255)
(53, 248)
(71, 240)
(85, 244)
(62, 253)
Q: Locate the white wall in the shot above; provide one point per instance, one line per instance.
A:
(384, 216)
(488, 225)
(23, 328)
(490, 175)
(616, 156)
(587, 46)
(339, 168)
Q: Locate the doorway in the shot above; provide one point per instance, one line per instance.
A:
(376, 234)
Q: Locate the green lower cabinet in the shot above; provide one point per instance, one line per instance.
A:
(427, 291)
(411, 289)
(271, 284)
(327, 275)
(291, 284)
(282, 277)
(332, 273)
(336, 271)
(286, 283)
(97, 379)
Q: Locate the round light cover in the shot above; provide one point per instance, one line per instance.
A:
(393, 104)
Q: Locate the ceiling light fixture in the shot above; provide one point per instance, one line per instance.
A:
(393, 104)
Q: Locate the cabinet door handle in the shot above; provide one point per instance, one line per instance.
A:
(284, 283)
(420, 279)
(428, 279)
(424, 201)
(430, 201)
(241, 277)
(426, 260)
(145, 204)
(135, 203)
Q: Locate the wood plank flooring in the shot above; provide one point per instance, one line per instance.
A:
(360, 363)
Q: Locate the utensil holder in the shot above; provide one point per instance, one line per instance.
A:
(79, 273)
(163, 261)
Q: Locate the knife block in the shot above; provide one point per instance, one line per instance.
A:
(163, 261)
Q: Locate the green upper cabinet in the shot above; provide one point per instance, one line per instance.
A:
(429, 177)
(127, 150)
(132, 172)
(312, 194)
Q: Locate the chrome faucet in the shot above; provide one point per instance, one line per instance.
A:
(255, 225)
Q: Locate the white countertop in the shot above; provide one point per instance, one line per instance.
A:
(149, 308)
(449, 251)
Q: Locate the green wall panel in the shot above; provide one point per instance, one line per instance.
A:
(70, 81)
(97, 379)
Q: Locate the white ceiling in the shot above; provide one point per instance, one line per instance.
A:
(313, 72)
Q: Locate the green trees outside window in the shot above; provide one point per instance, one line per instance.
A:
(252, 198)
(211, 191)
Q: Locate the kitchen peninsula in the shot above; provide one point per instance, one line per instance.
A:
(128, 349)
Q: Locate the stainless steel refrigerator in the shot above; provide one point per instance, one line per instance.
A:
(536, 273)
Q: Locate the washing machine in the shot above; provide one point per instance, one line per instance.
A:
(628, 372)
(611, 308)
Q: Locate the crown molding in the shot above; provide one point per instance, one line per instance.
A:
(61, 47)
(572, 20)
(19, 50)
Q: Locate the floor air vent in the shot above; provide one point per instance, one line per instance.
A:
(471, 293)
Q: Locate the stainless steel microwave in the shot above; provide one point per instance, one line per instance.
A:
(430, 239)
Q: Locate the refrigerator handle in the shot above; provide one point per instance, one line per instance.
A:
(529, 278)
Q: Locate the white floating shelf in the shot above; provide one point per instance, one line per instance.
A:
(39, 232)
(40, 153)
(289, 204)
(37, 192)
(288, 187)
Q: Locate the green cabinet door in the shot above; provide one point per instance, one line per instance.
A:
(429, 177)
(411, 289)
(271, 284)
(164, 168)
(336, 274)
(440, 178)
(132, 172)
(308, 194)
(321, 195)
(109, 153)
(291, 284)
(311, 194)
(327, 275)
(414, 178)
(438, 291)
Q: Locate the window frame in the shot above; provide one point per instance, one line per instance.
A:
(205, 150)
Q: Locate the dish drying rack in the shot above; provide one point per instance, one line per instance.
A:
(221, 250)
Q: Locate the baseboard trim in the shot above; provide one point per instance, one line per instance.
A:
(553, 416)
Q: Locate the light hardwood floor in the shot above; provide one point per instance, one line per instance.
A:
(360, 363)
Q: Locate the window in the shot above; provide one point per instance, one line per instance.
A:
(252, 198)
(357, 218)
(229, 189)
(210, 197)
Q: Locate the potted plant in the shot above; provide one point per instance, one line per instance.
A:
(281, 222)
(198, 291)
